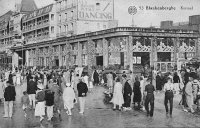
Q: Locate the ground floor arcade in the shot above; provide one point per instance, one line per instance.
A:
(125, 48)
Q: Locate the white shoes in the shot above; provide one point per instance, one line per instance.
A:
(81, 112)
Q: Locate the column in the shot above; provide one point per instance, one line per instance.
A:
(27, 58)
(197, 44)
(105, 52)
(15, 59)
(60, 56)
(68, 55)
(79, 58)
(90, 53)
(153, 53)
(176, 50)
(130, 53)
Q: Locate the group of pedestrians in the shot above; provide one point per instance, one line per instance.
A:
(47, 92)
(141, 91)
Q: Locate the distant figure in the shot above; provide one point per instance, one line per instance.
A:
(96, 78)
(159, 82)
(137, 92)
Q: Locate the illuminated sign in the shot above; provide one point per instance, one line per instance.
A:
(95, 9)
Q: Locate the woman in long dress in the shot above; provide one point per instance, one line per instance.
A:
(18, 78)
(68, 98)
(110, 82)
(117, 95)
(2, 87)
(137, 92)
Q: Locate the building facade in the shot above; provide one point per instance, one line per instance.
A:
(127, 47)
(10, 31)
(83, 16)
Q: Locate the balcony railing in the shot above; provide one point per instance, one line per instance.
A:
(41, 25)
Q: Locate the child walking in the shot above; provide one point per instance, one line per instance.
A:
(25, 102)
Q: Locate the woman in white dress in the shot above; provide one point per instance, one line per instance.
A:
(85, 78)
(14, 78)
(117, 95)
(2, 87)
(18, 78)
(45, 80)
(40, 99)
(68, 98)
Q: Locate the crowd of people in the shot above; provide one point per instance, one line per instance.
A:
(44, 91)
(51, 90)
(140, 90)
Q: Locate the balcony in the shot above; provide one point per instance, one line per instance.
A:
(61, 34)
(38, 26)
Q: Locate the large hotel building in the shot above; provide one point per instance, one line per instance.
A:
(85, 33)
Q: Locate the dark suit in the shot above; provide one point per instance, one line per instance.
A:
(82, 88)
(127, 94)
(31, 87)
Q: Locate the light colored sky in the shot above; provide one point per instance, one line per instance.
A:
(143, 18)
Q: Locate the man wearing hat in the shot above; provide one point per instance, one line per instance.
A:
(31, 91)
(127, 94)
(9, 96)
(149, 92)
(189, 92)
(82, 91)
(40, 98)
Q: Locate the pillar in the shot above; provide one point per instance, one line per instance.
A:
(68, 55)
(15, 59)
(176, 50)
(153, 53)
(105, 52)
(79, 58)
(60, 56)
(197, 44)
(130, 53)
(27, 58)
(90, 53)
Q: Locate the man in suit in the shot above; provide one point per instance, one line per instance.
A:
(9, 96)
(31, 91)
(82, 91)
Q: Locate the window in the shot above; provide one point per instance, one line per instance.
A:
(59, 29)
(59, 18)
(72, 26)
(52, 29)
(83, 46)
(63, 47)
(65, 28)
(72, 14)
(52, 16)
(65, 15)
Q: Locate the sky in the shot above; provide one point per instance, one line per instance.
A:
(143, 18)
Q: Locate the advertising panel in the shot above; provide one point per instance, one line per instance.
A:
(98, 10)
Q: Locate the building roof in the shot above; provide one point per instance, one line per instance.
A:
(38, 12)
(4, 19)
(27, 6)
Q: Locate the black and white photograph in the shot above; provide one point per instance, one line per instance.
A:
(99, 63)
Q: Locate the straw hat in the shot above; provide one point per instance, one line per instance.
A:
(68, 84)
